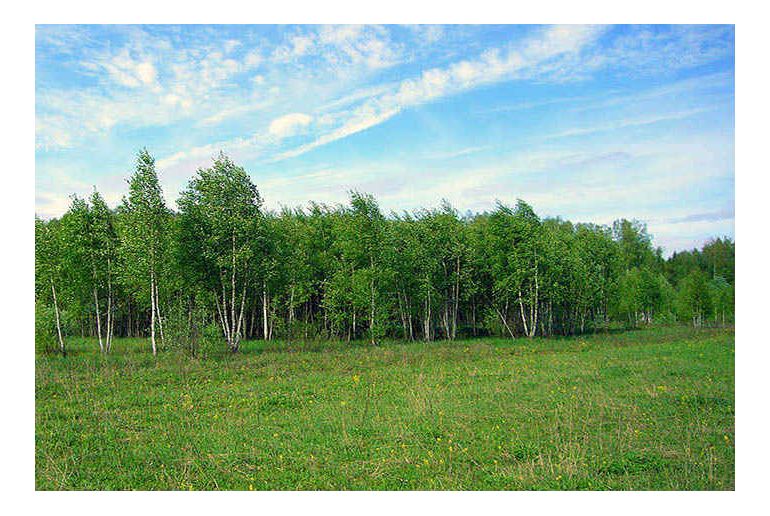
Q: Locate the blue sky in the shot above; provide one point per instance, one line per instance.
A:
(591, 123)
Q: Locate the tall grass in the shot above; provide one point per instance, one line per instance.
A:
(648, 409)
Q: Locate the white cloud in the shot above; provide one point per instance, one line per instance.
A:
(124, 69)
(151, 80)
(629, 122)
(458, 153)
(362, 120)
(492, 66)
(297, 47)
(375, 105)
(357, 96)
(146, 72)
(369, 46)
(253, 59)
(132, 88)
(231, 44)
(231, 112)
(289, 125)
(647, 50)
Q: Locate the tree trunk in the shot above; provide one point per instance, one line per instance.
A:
(58, 323)
(457, 300)
(401, 314)
(250, 333)
(157, 311)
(537, 300)
(152, 314)
(427, 318)
(237, 335)
(523, 317)
(371, 316)
(550, 318)
(409, 317)
(473, 314)
(447, 333)
(505, 323)
(231, 337)
(109, 306)
(98, 321)
(265, 334)
(291, 313)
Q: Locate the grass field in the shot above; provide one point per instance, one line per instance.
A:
(648, 409)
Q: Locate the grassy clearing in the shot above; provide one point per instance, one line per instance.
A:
(651, 409)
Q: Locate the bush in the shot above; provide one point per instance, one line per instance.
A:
(492, 323)
(46, 340)
(189, 331)
(211, 342)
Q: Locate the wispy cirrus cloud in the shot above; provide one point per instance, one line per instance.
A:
(554, 50)
(583, 121)
(377, 105)
(467, 151)
(341, 45)
(520, 61)
(628, 122)
(708, 216)
(151, 81)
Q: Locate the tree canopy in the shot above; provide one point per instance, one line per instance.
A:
(352, 272)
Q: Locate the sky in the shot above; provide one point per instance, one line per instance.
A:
(589, 123)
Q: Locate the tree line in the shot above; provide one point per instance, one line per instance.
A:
(224, 267)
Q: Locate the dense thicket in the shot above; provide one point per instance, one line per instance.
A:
(223, 267)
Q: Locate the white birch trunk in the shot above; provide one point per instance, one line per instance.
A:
(291, 313)
(265, 334)
(505, 323)
(98, 321)
(237, 336)
(537, 301)
(152, 314)
(157, 311)
(523, 317)
(232, 302)
(371, 317)
(109, 306)
(58, 323)
(457, 301)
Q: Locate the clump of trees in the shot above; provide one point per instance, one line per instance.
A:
(222, 265)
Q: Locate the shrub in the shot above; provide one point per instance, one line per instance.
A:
(45, 329)
(187, 329)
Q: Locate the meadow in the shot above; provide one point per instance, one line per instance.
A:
(650, 409)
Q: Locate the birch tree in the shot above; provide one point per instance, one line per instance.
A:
(89, 243)
(219, 212)
(48, 270)
(353, 272)
(143, 233)
(105, 242)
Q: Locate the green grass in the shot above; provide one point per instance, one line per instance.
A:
(650, 409)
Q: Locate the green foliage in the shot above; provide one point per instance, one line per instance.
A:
(184, 324)
(351, 272)
(143, 225)
(210, 343)
(722, 300)
(716, 259)
(45, 329)
(219, 218)
(695, 298)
